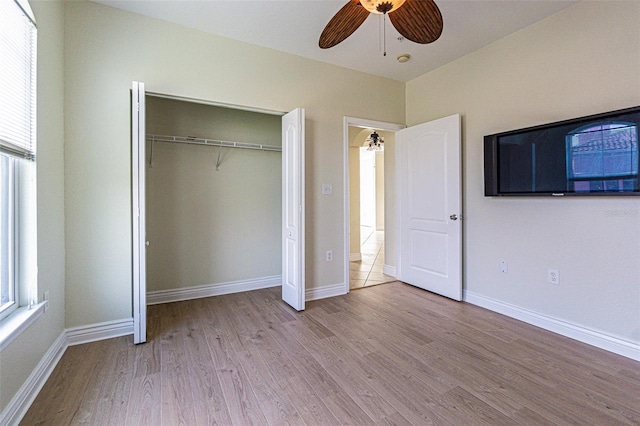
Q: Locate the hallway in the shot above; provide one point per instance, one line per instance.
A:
(368, 271)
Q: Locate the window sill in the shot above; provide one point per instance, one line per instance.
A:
(19, 321)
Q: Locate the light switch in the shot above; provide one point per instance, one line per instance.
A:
(327, 189)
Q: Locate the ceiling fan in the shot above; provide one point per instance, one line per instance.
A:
(417, 20)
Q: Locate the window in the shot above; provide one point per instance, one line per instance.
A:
(603, 157)
(7, 246)
(17, 155)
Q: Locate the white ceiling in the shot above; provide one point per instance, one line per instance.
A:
(295, 26)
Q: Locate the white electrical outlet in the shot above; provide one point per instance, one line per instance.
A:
(327, 189)
(504, 266)
(553, 276)
(329, 255)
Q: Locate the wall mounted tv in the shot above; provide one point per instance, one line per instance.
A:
(594, 155)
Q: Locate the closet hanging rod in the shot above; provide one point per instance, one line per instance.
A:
(212, 142)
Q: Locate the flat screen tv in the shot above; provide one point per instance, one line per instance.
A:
(594, 155)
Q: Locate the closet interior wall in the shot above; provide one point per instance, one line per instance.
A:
(209, 227)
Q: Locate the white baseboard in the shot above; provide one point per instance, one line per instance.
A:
(565, 328)
(178, 294)
(355, 257)
(324, 292)
(389, 270)
(101, 331)
(22, 400)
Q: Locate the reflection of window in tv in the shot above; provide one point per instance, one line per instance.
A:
(603, 157)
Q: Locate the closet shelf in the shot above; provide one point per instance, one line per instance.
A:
(212, 142)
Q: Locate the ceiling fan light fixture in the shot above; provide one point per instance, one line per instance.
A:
(374, 142)
(381, 6)
(417, 20)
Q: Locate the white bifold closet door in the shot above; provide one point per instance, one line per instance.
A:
(293, 247)
(293, 259)
(139, 261)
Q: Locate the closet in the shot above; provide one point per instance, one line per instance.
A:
(213, 199)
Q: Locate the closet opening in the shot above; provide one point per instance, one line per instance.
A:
(213, 199)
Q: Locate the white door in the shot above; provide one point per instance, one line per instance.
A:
(293, 285)
(138, 134)
(429, 203)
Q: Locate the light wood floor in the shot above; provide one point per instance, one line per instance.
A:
(389, 354)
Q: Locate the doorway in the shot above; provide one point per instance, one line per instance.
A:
(366, 256)
(369, 200)
(422, 163)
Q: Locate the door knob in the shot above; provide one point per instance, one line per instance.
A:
(453, 217)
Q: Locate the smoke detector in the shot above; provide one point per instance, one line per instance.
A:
(403, 58)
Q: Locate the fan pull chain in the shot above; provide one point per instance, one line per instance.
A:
(384, 33)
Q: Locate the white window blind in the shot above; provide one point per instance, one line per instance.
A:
(17, 79)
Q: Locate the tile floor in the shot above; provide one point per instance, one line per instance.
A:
(368, 271)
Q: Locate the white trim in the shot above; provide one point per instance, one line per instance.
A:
(324, 292)
(389, 270)
(22, 400)
(565, 328)
(355, 257)
(215, 104)
(100, 331)
(365, 124)
(18, 321)
(178, 294)
(371, 124)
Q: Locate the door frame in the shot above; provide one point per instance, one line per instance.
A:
(364, 124)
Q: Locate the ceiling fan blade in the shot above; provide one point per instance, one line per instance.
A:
(343, 24)
(418, 20)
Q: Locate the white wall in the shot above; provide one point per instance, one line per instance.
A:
(367, 188)
(356, 138)
(208, 226)
(583, 60)
(389, 198)
(105, 50)
(380, 190)
(22, 355)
